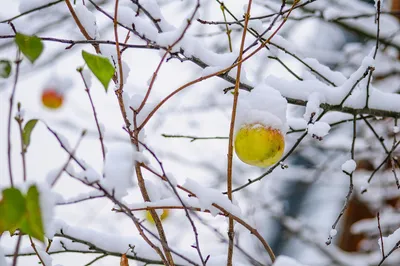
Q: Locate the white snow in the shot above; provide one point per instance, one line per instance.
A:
(396, 129)
(286, 261)
(208, 196)
(263, 105)
(333, 232)
(312, 108)
(318, 129)
(89, 175)
(118, 169)
(336, 77)
(390, 241)
(47, 260)
(349, 166)
(106, 241)
(88, 20)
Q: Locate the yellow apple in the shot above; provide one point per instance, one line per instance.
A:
(163, 216)
(259, 145)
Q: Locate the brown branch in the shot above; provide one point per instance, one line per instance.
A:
(231, 232)
(80, 26)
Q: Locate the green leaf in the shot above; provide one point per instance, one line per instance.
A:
(12, 209)
(26, 134)
(30, 46)
(32, 223)
(5, 68)
(100, 67)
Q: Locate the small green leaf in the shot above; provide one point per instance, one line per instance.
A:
(32, 223)
(30, 46)
(100, 67)
(26, 134)
(12, 209)
(5, 68)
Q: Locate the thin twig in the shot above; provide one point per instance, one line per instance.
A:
(231, 232)
(17, 246)
(380, 234)
(96, 259)
(87, 89)
(351, 185)
(382, 163)
(68, 160)
(17, 63)
(228, 31)
(153, 79)
(20, 120)
(37, 253)
(32, 10)
(396, 246)
(377, 21)
(192, 138)
(80, 26)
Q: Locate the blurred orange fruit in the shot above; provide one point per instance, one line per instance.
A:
(52, 99)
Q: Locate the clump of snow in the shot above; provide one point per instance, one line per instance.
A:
(336, 77)
(44, 256)
(208, 196)
(390, 241)
(318, 130)
(263, 105)
(118, 169)
(286, 261)
(312, 108)
(349, 166)
(125, 72)
(333, 233)
(88, 20)
(47, 199)
(396, 129)
(89, 175)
